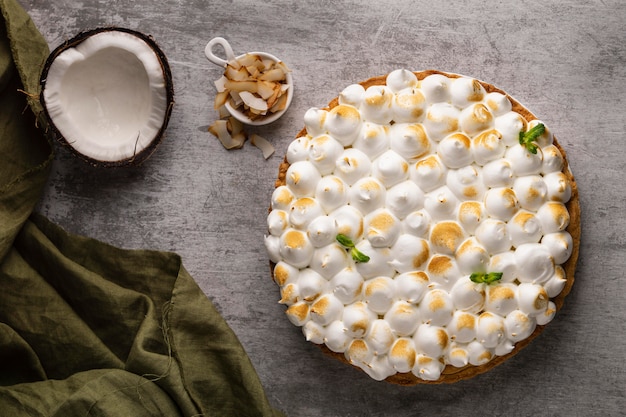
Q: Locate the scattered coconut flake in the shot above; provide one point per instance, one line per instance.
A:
(263, 144)
(220, 129)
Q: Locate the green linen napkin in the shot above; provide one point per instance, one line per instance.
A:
(87, 328)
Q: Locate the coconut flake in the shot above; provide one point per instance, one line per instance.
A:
(263, 144)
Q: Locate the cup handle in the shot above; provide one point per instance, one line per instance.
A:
(208, 51)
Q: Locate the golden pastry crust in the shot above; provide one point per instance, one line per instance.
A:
(453, 374)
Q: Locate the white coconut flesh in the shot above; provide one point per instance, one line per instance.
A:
(107, 96)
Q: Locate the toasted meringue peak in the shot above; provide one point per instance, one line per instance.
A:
(505, 263)
(401, 79)
(411, 286)
(380, 336)
(441, 204)
(554, 217)
(490, 331)
(467, 295)
(357, 319)
(390, 168)
(302, 178)
(494, 236)
(298, 150)
(559, 187)
(498, 103)
(532, 299)
(323, 153)
(501, 298)
(498, 173)
(441, 120)
(445, 237)
(335, 337)
(331, 192)
(501, 203)
(475, 119)
(409, 140)
(466, 91)
(311, 284)
(402, 355)
(325, 309)
(552, 159)
(379, 294)
(382, 228)
(462, 327)
(380, 263)
(408, 106)
(436, 88)
(436, 307)
(560, 245)
(352, 165)
(296, 248)
(282, 197)
(524, 227)
(314, 332)
(373, 139)
(376, 105)
(546, 316)
(454, 150)
(427, 368)
(349, 221)
(418, 223)
(470, 214)
(431, 340)
(285, 273)
(343, 122)
(523, 162)
(277, 222)
(346, 285)
(466, 183)
(409, 253)
(535, 262)
(404, 198)
(478, 353)
(519, 325)
(443, 271)
(531, 191)
(555, 284)
(298, 313)
(321, 231)
(509, 125)
(329, 260)
(428, 173)
(471, 256)
(303, 211)
(367, 194)
(403, 317)
(314, 121)
(488, 146)
(352, 95)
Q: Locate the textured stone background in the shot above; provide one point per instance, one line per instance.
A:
(565, 60)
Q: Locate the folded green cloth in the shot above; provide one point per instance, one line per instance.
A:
(87, 328)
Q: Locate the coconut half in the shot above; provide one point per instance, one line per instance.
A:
(108, 94)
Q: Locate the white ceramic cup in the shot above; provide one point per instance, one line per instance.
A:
(237, 114)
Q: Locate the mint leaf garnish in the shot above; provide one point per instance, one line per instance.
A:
(485, 277)
(356, 254)
(527, 139)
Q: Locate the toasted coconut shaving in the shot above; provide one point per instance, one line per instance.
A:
(232, 135)
(263, 144)
(254, 86)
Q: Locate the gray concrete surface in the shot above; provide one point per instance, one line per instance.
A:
(565, 60)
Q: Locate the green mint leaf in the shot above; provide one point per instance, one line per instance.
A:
(527, 139)
(485, 278)
(359, 256)
(344, 241)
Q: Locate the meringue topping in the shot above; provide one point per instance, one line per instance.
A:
(429, 180)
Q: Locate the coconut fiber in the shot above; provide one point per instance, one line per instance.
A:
(87, 328)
